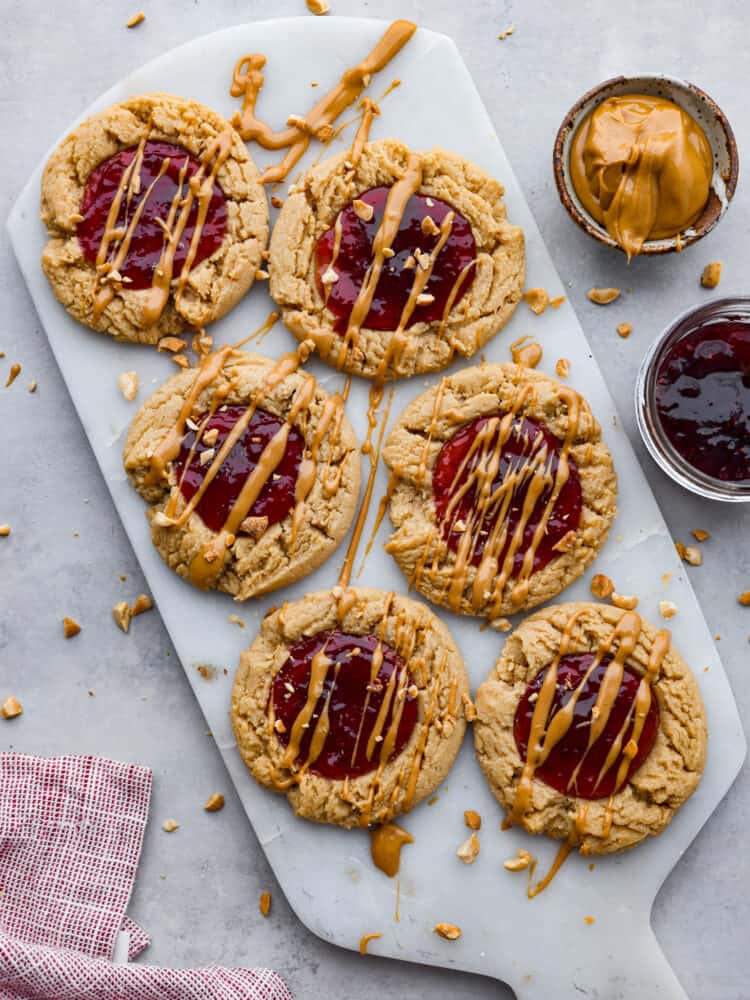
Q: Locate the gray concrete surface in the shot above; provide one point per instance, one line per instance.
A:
(197, 890)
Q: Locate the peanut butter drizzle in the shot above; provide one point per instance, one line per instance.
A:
(199, 186)
(547, 730)
(369, 110)
(527, 354)
(247, 81)
(346, 569)
(365, 940)
(642, 167)
(385, 846)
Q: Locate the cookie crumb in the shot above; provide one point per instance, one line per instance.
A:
(127, 383)
(136, 19)
(4, 530)
(689, 554)
(170, 825)
(711, 275)
(276, 201)
(261, 275)
(202, 342)
(214, 803)
(32, 385)
(536, 299)
(507, 33)
(448, 931)
(602, 586)
(206, 671)
(472, 819)
(15, 371)
(744, 599)
(121, 614)
(700, 535)
(181, 360)
(501, 624)
(469, 850)
(566, 543)
(365, 940)
(236, 620)
(11, 708)
(602, 296)
(264, 904)
(624, 330)
(667, 609)
(562, 368)
(521, 861)
(70, 627)
(556, 302)
(624, 602)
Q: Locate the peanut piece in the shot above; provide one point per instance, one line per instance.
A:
(711, 275)
(603, 296)
(127, 383)
(602, 586)
(448, 931)
(70, 628)
(214, 803)
(264, 904)
(170, 825)
(472, 819)
(536, 299)
(10, 708)
(121, 614)
(469, 850)
(667, 609)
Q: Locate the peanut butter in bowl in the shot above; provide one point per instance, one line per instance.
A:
(642, 166)
(646, 164)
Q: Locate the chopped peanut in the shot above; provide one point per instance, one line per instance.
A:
(136, 19)
(522, 860)
(470, 712)
(448, 931)
(128, 385)
(469, 850)
(744, 599)
(425, 299)
(172, 344)
(429, 226)
(700, 535)
(602, 586)
(562, 368)
(624, 330)
(121, 614)
(667, 609)
(70, 628)
(362, 210)
(236, 620)
(507, 33)
(556, 302)
(536, 299)
(276, 201)
(181, 360)
(472, 819)
(4, 530)
(589, 920)
(264, 904)
(214, 803)
(624, 602)
(566, 543)
(711, 275)
(170, 825)
(602, 296)
(142, 603)
(10, 708)
(32, 385)
(692, 555)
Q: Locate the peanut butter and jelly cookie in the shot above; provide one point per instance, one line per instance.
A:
(251, 469)
(502, 491)
(394, 261)
(590, 728)
(156, 217)
(351, 703)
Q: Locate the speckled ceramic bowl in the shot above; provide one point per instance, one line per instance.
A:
(692, 99)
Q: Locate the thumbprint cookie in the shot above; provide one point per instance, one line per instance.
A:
(351, 702)
(502, 491)
(591, 727)
(251, 470)
(156, 218)
(394, 261)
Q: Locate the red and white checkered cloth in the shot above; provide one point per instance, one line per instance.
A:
(71, 830)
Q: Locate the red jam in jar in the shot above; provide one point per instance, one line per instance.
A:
(354, 701)
(702, 395)
(557, 770)
(526, 439)
(396, 280)
(276, 498)
(148, 238)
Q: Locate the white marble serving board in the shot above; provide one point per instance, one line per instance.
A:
(542, 948)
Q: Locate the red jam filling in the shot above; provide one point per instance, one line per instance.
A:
(703, 399)
(396, 280)
(558, 768)
(276, 498)
(525, 439)
(354, 705)
(148, 238)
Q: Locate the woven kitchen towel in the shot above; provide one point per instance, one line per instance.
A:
(71, 830)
